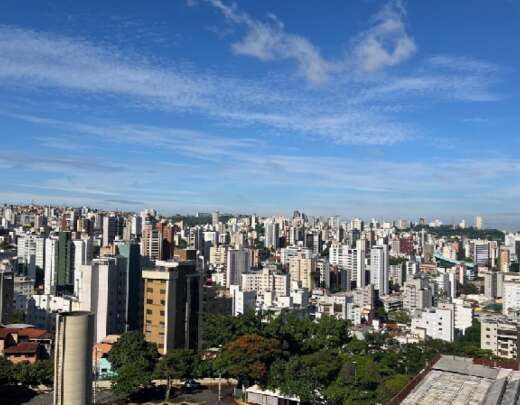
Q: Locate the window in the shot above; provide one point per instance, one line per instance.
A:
(163, 291)
(149, 311)
(149, 301)
(162, 313)
(150, 290)
(163, 302)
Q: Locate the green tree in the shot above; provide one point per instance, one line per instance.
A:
(221, 329)
(469, 288)
(176, 364)
(305, 376)
(43, 372)
(390, 387)
(133, 360)
(18, 317)
(6, 371)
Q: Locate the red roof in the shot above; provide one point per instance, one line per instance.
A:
(31, 333)
(25, 347)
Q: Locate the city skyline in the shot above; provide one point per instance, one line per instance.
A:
(202, 105)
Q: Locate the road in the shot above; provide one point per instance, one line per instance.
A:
(207, 395)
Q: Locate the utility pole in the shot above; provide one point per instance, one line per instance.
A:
(219, 387)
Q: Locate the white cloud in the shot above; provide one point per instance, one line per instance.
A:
(351, 109)
(269, 41)
(386, 43)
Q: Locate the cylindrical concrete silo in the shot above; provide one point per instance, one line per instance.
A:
(73, 358)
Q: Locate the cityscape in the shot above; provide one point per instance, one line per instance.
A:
(297, 309)
(259, 202)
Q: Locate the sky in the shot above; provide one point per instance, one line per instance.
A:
(364, 108)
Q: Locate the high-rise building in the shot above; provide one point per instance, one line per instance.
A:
(379, 269)
(73, 358)
(134, 295)
(272, 235)
(172, 305)
(167, 234)
(479, 222)
(103, 291)
(65, 262)
(303, 270)
(501, 336)
(238, 262)
(511, 297)
(110, 226)
(417, 294)
(215, 218)
(481, 252)
(504, 259)
(31, 245)
(51, 247)
(6, 296)
(152, 242)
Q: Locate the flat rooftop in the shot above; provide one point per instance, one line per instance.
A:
(458, 381)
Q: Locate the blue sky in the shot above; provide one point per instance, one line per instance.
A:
(357, 108)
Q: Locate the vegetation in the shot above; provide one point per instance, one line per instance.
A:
(177, 364)
(318, 361)
(321, 362)
(25, 373)
(450, 231)
(18, 316)
(397, 260)
(133, 360)
(468, 288)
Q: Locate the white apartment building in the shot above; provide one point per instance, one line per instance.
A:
(218, 256)
(435, 323)
(272, 235)
(50, 266)
(462, 311)
(379, 269)
(102, 290)
(242, 301)
(293, 251)
(511, 296)
(500, 335)
(31, 245)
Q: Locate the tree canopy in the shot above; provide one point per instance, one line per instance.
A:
(133, 360)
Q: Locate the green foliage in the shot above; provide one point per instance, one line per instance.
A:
(133, 360)
(390, 387)
(177, 364)
(6, 371)
(469, 288)
(470, 233)
(399, 317)
(18, 317)
(319, 361)
(25, 373)
(220, 329)
(305, 376)
(397, 260)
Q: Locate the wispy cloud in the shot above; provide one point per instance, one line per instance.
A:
(354, 109)
(385, 43)
(269, 41)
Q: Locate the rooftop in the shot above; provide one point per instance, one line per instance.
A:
(457, 380)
